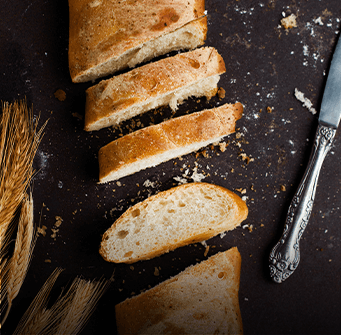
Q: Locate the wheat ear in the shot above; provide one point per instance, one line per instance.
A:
(81, 306)
(37, 317)
(19, 141)
(68, 314)
(24, 245)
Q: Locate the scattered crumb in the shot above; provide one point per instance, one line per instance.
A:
(241, 190)
(42, 230)
(47, 261)
(223, 146)
(148, 183)
(249, 227)
(269, 109)
(306, 102)
(156, 272)
(289, 22)
(221, 93)
(58, 222)
(78, 116)
(283, 188)
(206, 250)
(246, 158)
(60, 95)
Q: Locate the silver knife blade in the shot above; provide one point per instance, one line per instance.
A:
(330, 112)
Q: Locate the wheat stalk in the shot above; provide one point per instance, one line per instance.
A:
(82, 305)
(37, 317)
(68, 314)
(19, 142)
(17, 267)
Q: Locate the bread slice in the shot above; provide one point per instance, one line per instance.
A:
(107, 36)
(177, 217)
(203, 299)
(159, 143)
(168, 81)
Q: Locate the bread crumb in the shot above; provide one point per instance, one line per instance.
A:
(156, 272)
(206, 250)
(221, 93)
(241, 190)
(283, 188)
(306, 102)
(78, 116)
(269, 109)
(47, 261)
(58, 222)
(223, 146)
(42, 230)
(60, 95)
(289, 22)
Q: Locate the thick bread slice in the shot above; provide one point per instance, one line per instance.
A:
(182, 215)
(106, 36)
(155, 144)
(168, 81)
(203, 299)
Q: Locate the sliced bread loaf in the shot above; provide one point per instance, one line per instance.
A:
(106, 36)
(203, 299)
(167, 82)
(177, 217)
(159, 143)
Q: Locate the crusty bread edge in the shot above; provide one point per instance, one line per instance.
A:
(233, 254)
(241, 215)
(106, 172)
(90, 73)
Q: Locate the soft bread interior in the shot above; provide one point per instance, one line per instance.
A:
(202, 299)
(189, 36)
(141, 164)
(189, 214)
(205, 87)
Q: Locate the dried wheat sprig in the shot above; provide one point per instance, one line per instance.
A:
(68, 314)
(19, 141)
(37, 316)
(19, 262)
(82, 306)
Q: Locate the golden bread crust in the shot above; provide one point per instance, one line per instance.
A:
(237, 206)
(171, 134)
(111, 97)
(203, 299)
(101, 30)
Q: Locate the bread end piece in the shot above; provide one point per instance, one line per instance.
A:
(203, 299)
(108, 36)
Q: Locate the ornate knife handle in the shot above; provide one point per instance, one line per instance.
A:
(285, 255)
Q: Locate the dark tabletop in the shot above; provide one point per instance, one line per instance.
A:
(265, 63)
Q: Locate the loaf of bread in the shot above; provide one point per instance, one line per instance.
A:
(203, 299)
(106, 36)
(170, 219)
(168, 81)
(159, 143)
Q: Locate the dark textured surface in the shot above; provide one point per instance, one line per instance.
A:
(265, 63)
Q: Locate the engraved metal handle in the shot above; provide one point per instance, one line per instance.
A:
(285, 255)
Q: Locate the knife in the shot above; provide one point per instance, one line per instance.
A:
(285, 256)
